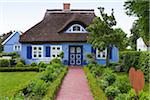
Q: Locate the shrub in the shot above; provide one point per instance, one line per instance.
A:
(98, 94)
(90, 65)
(61, 55)
(129, 59)
(97, 71)
(18, 69)
(4, 62)
(123, 84)
(131, 94)
(121, 97)
(91, 58)
(33, 64)
(42, 65)
(39, 88)
(20, 64)
(112, 91)
(109, 76)
(53, 88)
(144, 96)
(56, 60)
(144, 61)
(103, 84)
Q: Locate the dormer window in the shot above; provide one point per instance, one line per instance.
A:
(76, 28)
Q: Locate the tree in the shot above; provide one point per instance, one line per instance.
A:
(134, 36)
(120, 39)
(140, 9)
(102, 35)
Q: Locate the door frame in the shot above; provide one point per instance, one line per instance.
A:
(81, 54)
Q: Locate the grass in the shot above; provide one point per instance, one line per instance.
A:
(10, 82)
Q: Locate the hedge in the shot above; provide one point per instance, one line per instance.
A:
(54, 87)
(98, 94)
(139, 60)
(18, 69)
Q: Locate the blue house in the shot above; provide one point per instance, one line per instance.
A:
(60, 30)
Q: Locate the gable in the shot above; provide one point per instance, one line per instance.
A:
(12, 39)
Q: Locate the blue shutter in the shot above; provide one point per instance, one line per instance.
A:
(48, 51)
(110, 55)
(29, 52)
(93, 50)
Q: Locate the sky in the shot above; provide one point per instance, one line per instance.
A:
(20, 15)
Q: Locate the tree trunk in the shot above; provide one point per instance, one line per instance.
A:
(107, 57)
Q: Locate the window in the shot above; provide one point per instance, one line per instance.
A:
(17, 47)
(55, 51)
(101, 54)
(76, 28)
(37, 51)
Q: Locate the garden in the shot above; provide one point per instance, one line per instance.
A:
(34, 81)
(112, 82)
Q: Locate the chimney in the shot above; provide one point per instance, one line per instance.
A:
(66, 6)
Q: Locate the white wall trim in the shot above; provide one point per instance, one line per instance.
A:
(9, 37)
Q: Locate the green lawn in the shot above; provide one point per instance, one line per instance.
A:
(12, 81)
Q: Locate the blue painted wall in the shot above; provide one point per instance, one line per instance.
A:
(8, 47)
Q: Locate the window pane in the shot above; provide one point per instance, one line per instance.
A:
(72, 50)
(40, 55)
(34, 55)
(34, 48)
(53, 55)
(40, 48)
(78, 49)
(76, 28)
(58, 48)
(53, 48)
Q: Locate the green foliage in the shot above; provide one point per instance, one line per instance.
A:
(123, 84)
(121, 97)
(136, 59)
(109, 76)
(19, 64)
(61, 55)
(103, 83)
(4, 62)
(98, 94)
(33, 64)
(54, 87)
(120, 38)
(56, 60)
(42, 65)
(144, 61)
(18, 69)
(91, 58)
(139, 8)
(39, 87)
(112, 91)
(144, 96)
(129, 59)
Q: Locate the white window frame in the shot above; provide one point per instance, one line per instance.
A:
(70, 29)
(98, 52)
(55, 51)
(37, 51)
(17, 47)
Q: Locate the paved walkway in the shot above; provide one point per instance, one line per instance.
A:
(74, 86)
